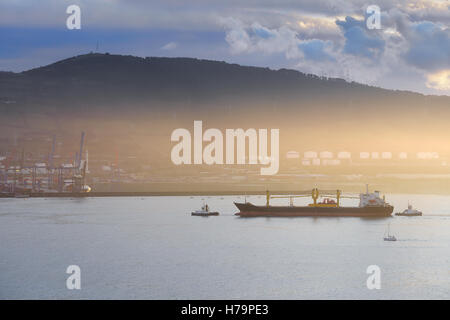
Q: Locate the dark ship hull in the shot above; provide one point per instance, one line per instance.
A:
(250, 210)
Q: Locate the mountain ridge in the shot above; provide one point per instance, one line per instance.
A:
(100, 82)
(199, 60)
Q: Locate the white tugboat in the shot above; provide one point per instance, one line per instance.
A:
(410, 212)
(389, 237)
(204, 211)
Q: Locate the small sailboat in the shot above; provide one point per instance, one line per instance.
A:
(204, 211)
(389, 237)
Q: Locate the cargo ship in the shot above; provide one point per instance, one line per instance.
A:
(370, 205)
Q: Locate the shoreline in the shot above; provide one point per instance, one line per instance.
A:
(100, 194)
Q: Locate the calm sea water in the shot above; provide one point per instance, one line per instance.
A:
(151, 248)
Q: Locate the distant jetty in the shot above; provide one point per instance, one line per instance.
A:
(138, 194)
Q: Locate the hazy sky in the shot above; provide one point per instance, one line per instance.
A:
(411, 50)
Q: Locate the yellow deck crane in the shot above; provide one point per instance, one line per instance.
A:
(301, 194)
(315, 194)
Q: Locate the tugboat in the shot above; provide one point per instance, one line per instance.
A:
(410, 212)
(204, 212)
(389, 237)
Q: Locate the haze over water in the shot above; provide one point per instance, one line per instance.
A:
(151, 248)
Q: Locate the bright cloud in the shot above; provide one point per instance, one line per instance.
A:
(439, 80)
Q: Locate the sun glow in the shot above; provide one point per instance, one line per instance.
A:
(439, 80)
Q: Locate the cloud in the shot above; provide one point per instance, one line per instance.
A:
(285, 40)
(359, 40)
(439, 80)
(200, 14)
(429, 46)
(316, 50)
(323, 28)
(256, 38)
(236, 36)
(262, 32)
(318, 36)
(427, 10)
(169, 46)
(356, 53)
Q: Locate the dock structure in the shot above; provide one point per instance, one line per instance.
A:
(20, 176)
